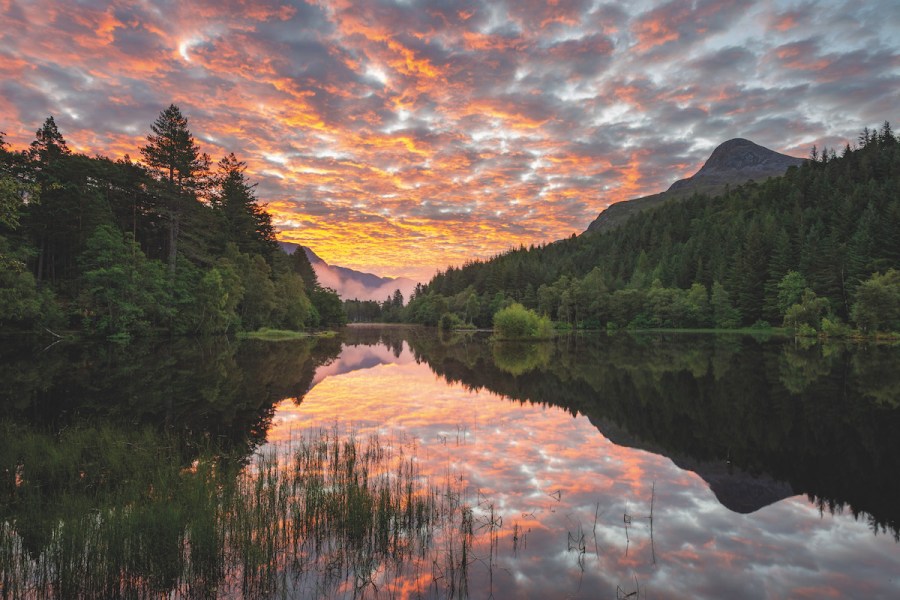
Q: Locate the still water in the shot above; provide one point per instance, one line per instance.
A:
(656, 466)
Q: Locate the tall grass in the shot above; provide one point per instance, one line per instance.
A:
(327, 515)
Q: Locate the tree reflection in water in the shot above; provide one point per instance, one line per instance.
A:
(137, 472)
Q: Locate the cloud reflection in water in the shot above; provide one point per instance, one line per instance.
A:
(550, 475)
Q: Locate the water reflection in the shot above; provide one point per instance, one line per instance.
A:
(723, 433)
(779, 419)
(196, 389)
(560, 452)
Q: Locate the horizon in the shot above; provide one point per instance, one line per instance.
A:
(400, 141)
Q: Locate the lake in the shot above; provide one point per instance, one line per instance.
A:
(395, 462)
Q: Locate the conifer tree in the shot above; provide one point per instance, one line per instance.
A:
(248, 225)
(51, 220)
(174, 157)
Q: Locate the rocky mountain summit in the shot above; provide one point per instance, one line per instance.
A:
(732, 163)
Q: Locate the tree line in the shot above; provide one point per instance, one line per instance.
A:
(817, 250)
(372, 311)
(172, 243)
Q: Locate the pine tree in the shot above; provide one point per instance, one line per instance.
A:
(750, 272)
(301, 266)
(725, 316)
(52, 221)
(248, 225)
(174, 157)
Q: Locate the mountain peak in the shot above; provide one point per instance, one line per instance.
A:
(732, 163)
(736, 161)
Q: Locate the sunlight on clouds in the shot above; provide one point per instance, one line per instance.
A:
(280, 159)
(401, 139)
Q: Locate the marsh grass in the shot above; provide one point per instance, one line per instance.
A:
(326, 515)
(273, 335)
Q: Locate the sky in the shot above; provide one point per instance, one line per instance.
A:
(402, 136)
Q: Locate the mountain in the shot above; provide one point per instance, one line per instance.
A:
(736, 489)
(732, 163)
(833, 222)
(351, 284)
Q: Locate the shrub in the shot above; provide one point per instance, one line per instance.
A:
(877, 306)
(516, 322)
(449, 322)
(834, 328)
(806, 331)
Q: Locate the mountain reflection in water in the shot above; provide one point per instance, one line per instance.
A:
(768, 468)
(758, 423)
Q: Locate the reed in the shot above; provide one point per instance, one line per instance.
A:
(326, 515)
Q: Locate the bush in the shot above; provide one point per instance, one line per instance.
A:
(877, 306)
(642, 321)
(591, 324)
(807, 313)
(516, 322)
(835, 328)
(449, 322)
(806, 331)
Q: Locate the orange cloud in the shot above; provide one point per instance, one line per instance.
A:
(400, 141)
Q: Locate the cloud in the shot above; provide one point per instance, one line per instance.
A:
(400, 137)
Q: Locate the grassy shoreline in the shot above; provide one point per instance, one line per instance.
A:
(278, 335)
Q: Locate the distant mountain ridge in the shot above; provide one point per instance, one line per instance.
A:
(732, 163)
(351, 284)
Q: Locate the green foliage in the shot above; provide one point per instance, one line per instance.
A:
(258, 302)
(835, 328)
(247, 225)
(790, 291)
(877, 306)
(427, 309)
(21, 302)
(217, 298)
(724, 315)
(449, 322)
(328, 307)
(123, 292)
(173, 154)
(516, 322)
(807, 312)
(299, 264)
(806, 331)
(293, 308)
(826, 225)
(13, 194)
(93, 245)
(518, 357)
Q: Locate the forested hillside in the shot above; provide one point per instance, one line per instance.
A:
(120, 248)
(813, 249)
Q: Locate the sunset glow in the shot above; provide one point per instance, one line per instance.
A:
(402, 137)
(547, 476)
